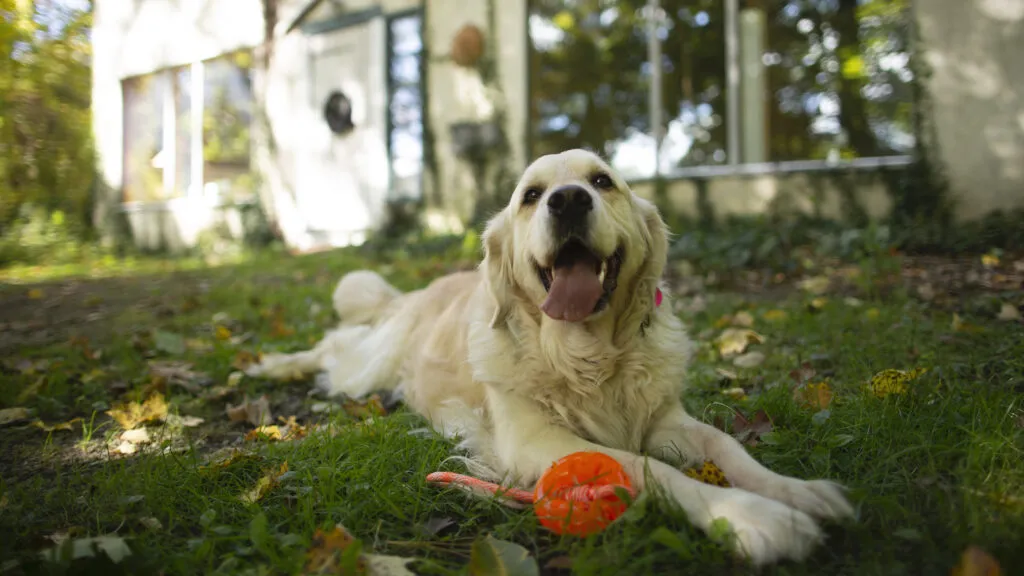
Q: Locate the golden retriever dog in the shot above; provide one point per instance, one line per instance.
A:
(557, 344)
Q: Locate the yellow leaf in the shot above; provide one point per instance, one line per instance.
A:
(54, 427)
(221, 332)
(269, 433)
(129, 415)
(976, 562)
(708, 473)
(872, 313)
(265, 484)
(735, 393)
(990, 260)
(324, 556)
(818, 303)
(816, 285)
(35, 294)
(853, 68)
(892, 381)
(735, 340)
(815, 396)
(775, 315)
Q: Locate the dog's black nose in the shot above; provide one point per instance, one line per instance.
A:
(570, 203)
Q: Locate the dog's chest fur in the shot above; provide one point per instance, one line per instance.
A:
(604, 394)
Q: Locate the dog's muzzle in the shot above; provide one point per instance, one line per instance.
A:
(570, 208)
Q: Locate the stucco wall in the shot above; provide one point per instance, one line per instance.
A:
(975, 51)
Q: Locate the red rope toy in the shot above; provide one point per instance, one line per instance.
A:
(577, 495)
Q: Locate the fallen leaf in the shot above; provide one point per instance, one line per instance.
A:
(244, 359)
(28, 367)
(184, 421)
(324, 554)
(381, 565)
(872, 313)
(1008, 312)
(775, 315)
(16, 414)
(113, 546)
(126, 448)
(735, 340)
(727, 374)
(371, 407)
(735, 393)
(926, 292)
(990, 260)
(136, 436)
(234, 456)
(958, 325)
(35, 294)
(177, 373)
(749, 360)
(816, 285)
(169, 342)
(266, 483)
(750, 431)
(255, 412)
(804, 373)
(292, 429)
(278, 329)
(976, 562)
(708, 473)
(264, 433)
(743, 319)
(492, 557)
(66, 426)
(435, 525)
(892, 381)
(234, 379)
(129, 415)
(815, 396)
(151, 523)
(221, 332)
(853, 302)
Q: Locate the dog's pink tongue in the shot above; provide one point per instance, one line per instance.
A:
(575, 290)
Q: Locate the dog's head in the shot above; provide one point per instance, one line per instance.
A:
(575, 242)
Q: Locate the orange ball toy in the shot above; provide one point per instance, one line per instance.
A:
(577, 495)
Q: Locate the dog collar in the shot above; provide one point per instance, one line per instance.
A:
(657, 297)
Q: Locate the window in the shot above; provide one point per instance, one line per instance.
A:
(156, 153)
(187, 131)
(227, 119)
(815, 80)
(405, 112)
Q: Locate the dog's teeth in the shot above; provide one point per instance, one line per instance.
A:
(604, 270)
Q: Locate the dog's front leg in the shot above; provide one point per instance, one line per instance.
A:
(678, 436)
(526, 443)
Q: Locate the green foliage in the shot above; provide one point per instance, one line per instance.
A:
(46, 151)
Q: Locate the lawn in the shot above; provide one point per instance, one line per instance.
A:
(934, 463)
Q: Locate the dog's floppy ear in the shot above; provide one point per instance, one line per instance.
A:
(497, 266)
(653, 233)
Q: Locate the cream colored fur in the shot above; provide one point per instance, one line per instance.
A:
(473, 354)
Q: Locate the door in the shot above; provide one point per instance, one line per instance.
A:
(343, 167)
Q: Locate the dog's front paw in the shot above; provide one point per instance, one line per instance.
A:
(766, 530)
(820, 498)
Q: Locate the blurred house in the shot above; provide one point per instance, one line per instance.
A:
(334, 114)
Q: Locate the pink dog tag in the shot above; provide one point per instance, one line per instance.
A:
(657, 296)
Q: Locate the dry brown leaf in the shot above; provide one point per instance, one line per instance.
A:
(735, 340)
(266, 483)
(817, 396)
(749, 431)
(325, 552)
(373, 406)
(255, 412)
(976, 562)
(130, 414)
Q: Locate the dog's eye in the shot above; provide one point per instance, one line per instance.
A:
(602, 181)
(531, 195)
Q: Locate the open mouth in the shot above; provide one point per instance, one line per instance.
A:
(579, 282)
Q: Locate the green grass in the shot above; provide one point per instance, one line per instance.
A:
(931, 471)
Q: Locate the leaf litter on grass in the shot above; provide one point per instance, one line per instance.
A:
(130, 414)
(490, 556)
(255, 412)
(891, 381)
(270, 479)
(339, 552)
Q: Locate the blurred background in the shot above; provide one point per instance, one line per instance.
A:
(216, 126)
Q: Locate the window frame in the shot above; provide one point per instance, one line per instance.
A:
(732, 166)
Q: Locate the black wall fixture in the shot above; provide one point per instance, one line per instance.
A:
(338, 113)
